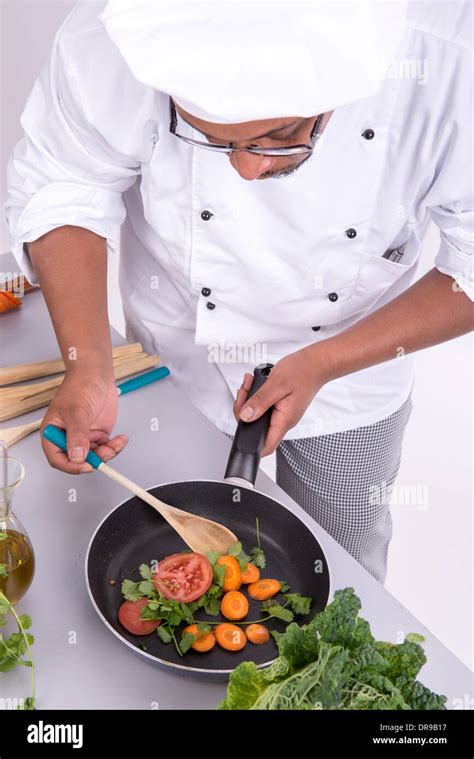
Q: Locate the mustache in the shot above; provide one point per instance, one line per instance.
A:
(285, 172)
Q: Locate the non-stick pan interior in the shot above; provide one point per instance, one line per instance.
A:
(134, 533)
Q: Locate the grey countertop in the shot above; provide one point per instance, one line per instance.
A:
(79, 663)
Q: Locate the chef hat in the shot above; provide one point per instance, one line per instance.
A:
(229, 62)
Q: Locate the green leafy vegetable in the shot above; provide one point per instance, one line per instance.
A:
(333, 662)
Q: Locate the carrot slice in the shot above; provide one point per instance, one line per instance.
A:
(250, 574)
(230, 637)
(234, 605)
(204, 642)
(257, 634)
(233, 576)
(263, 589)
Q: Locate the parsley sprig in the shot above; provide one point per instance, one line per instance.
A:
(14, 648)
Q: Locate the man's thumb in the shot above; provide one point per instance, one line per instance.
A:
(260, 401)
(77, 433)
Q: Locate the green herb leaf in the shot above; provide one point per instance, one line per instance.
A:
(203, 627)
(257, 557)
(276, 610)
(212, 556)
(164, 634)
(299, 604)
(25, 621)
(218, 572)
(145, 571)
(3, 570)
(146, 588)
(187, 640)
(131, 590)
(239, 553)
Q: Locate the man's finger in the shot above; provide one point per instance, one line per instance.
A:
(109, 448)
(269, 394)
(276, 432)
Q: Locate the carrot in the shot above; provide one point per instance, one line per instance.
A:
(204, 642)
(230, 637)
(233, 576)
(234, 605)
(263, 589)
(250, 574)
(257, 634)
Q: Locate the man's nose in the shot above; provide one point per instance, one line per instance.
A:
(250, 165)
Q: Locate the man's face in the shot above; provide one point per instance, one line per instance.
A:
(282, 132)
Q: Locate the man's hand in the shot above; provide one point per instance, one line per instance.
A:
(86, 407)
(291, 386)
(432, 310)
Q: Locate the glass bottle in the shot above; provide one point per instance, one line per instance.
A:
(17, 559)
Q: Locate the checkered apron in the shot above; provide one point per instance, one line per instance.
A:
(337, 479)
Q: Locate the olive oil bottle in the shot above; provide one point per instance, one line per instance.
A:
(17, 560)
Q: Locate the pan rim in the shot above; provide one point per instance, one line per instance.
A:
(156, 659)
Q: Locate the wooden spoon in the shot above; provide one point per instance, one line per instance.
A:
(200, 534)
(12, 435)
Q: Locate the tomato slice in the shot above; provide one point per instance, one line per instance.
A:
(183, 576)
(129, 617)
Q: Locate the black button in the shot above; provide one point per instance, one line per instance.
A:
(206, 292)
(368, 134)
(206, 215)
(315, 329)
(333, 297)
(210, 305)
(351, 233)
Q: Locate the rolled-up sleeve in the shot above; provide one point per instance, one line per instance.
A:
(62, 172)
(455, 256)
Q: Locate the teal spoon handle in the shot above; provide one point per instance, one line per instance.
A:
(142, 380)
(57, 436)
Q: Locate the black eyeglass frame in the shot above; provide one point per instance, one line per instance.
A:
(227, 149)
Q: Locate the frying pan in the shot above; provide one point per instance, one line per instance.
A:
(133, 534)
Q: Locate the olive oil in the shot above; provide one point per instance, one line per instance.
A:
(17, 560)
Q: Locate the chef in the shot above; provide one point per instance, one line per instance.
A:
(274, 167)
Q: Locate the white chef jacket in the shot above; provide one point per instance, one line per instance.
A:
(218, 273)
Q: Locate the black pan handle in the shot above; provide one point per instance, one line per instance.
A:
(249, 438)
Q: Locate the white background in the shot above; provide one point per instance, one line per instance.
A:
(430, 566)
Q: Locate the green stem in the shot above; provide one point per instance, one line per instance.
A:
(232, 622)
(171, 632)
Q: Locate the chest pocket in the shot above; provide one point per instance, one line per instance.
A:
(380, 279)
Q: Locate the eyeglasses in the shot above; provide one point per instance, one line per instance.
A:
(228, 149)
